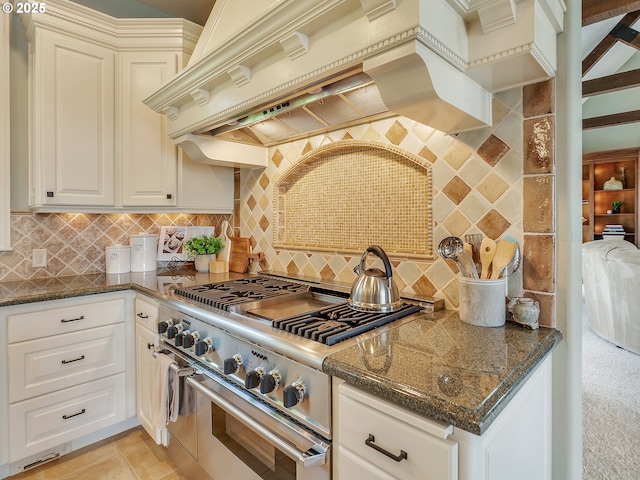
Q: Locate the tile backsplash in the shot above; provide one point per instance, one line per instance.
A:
(75, 242)
(496, 181)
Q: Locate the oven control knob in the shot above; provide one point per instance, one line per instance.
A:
(190, 339)
(163, 326)
(254, 377)
(205, 346)
(173, 330)
(231, 365)
(270, 381)
(293, 394)
(179, 338)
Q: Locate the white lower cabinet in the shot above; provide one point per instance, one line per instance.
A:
(379, 440)
(376, 439)
(69, 372)
(146, 341)
(49, 420)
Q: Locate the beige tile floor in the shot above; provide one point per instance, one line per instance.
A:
(131, 455)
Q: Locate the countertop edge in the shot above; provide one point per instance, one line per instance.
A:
(474, 421)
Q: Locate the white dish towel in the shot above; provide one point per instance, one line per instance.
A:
(165, 399)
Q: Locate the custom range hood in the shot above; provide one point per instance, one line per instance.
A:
(267, 72)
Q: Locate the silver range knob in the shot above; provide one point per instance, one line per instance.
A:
(231, 365)
(164, 325)
(270, 381)
(254, 377)
(189, 340)
(204, 346)
(294, 394)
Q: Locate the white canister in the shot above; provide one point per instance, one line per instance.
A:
(143, 252)
(118, 259)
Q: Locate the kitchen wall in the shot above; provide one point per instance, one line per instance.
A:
(496, 181)
(76, 242)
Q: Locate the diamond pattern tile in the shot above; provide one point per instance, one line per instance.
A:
(76, 242)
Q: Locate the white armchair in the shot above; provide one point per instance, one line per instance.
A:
(611, 277)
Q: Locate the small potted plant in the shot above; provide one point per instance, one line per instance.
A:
(203, 249)
(616, 206)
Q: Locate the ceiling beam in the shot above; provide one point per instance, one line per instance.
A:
(607, 42)
(611, 120)
(594, 11)
(611, 83)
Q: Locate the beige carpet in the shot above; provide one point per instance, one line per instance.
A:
(611, 409)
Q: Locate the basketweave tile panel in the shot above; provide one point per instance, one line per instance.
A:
(477, 187)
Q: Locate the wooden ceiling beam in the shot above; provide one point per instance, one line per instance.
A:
(611, 120)
(594, 11)
(607, 42)
(611, 83)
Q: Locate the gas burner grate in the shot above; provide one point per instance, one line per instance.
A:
(339, 322)
(225, 295)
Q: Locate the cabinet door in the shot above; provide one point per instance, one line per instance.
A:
(148, 156)
(72, 122)
(146, 340)
(50, 420)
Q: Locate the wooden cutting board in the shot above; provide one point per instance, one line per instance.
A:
(240, 253)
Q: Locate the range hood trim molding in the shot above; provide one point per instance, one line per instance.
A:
(481, 61)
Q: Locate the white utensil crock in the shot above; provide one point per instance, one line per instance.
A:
(118, 259)
(482, 302)
(143, 252)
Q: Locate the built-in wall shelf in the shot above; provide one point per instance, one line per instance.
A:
(598, 168)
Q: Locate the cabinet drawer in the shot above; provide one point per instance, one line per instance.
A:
(49, 364)
(147, 313)
(50, 321)
(428, 456)
(49, 420)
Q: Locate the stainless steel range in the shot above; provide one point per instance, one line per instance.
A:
(263, 405)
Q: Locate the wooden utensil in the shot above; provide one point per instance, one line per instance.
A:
(503, 255)
(239, 257)
(487, 251)
(225, 253)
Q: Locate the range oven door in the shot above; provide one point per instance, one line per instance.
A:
(240, 437)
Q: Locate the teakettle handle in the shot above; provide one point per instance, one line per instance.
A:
(382, 256)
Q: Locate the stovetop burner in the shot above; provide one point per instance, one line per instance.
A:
(226, 295)
(340, 322)
(324, 324)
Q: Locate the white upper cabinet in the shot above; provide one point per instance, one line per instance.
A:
(148, 156)
(94, 145)
(73, 120)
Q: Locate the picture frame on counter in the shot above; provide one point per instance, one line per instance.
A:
(172, 240)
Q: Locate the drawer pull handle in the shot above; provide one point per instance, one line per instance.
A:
(64, 320)
(67, 417)
(142, 315)
(398, 458)
(64, 362)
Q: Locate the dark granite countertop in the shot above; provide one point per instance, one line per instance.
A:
(155, 283)
(443, 368)
(433, 363)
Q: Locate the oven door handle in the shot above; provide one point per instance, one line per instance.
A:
(302, 458)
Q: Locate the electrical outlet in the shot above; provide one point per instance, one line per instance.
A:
(39, 257)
